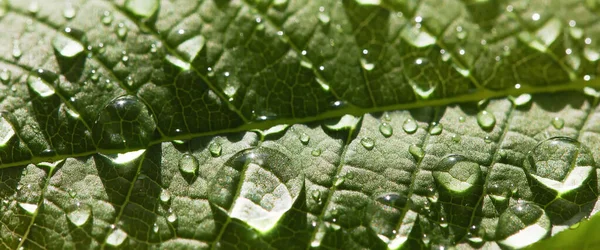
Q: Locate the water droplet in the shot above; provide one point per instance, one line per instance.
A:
(462, 119)
(155, 228)
(122, 31)
(72, 193)
(215, 149)
(16, 52)
(304, 138)
(79, 216)
(316, 152)
(316, 195)
(367, 142)
(560, 164)
(436, 128)
(257, 186)
(172, 217)
(416, 152)
(486, 120)
(190, 48)
(69, 12)
(7, 131)
(339, 181)
(521, 99)
(366, 65)
(165, 196)
(522, 224)
(107, 18)
(34, 7)
(324, 18)
(116, 237)
(410, 126)
(142, 8)
(535, 16)
(28, 207)
(558, 123)
(456, 138)
(5, 76)
(67, 46)
(188, 164)
(385, 215)
(124, 123)
(386, 129)
(457, 174)
(39, 84)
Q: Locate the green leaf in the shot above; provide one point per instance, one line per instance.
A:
(298, 124)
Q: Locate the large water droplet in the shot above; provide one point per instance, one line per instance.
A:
(368, 143)
(522, 224)
(416, 152)
(80, 215)
(486, 120)
(561, 164)
(386, 129)
(457, 174)
(257, 186)
(116, 237)
(124, 123)
(142, 8)
(385, 215)
(67, 46)
(188, 164)
(410, 126)
(28, 207)
(7, 131)
(39, 84)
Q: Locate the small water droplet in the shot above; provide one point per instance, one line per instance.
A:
(487, 139)
(122, 31)
(436, 128)
(339, 181)
(417, 152)
(142, 8)
(5, 76)
(486, 120)
(69, 12)
(461, 119)
(324, 18)
(410, 126)
(366, 65)
(34, 7)
(316, 195)
(558, 123)
(16, 51)
(80, 215)
(39, 85)
(107, 18)
(28, 207)
(386, 129)
(521, 100)
(67, 46)
(116, 237)
(72, 193)
(316, 152)
(165, 196)
(7, 131)
(367, 142)
(304, 138)
(215, 149)
(188, 164)
(172, 217)
(155, 228)
(456, 138)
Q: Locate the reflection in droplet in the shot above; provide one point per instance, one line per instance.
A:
(410, 126)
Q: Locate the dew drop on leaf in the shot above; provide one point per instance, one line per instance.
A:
(69, 12)
(417, 152)
(324, 18)
(155, 228)
(522, 224)
(107, 18)
(368, 143)
(461, 119)
(558, 123)
(316, 152)
(40, 84)
(16, 51)
(339, 181)
(5, 76)
(316, 195)
(386, 129)
(561, 164)
(456, 138)
(457, 174)
(34, 7)
(142, 8)
(215, 149)
(172, 217)
(384, 216)
(520, 100)
(190, 48)
(410, 126)
(122, 31)
(436, 128)
(116, 237)
(188, 164)
(67, 46)
(486, 120)
(79, 216)
(7, 131)
(165, 196)
(304, 138)
(28, 207)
